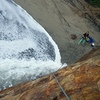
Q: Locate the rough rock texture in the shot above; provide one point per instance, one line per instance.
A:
(61, 18)
(81, 81)
(86, 10)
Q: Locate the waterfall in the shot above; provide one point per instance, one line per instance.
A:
(27, 51)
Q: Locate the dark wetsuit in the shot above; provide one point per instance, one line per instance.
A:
(85, 35)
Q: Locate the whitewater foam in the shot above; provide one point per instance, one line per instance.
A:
(26, 50)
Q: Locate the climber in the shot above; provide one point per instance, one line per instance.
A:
(91, 40)
(84, 38)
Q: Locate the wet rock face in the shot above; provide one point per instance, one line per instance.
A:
(81, 81)
(61, 18)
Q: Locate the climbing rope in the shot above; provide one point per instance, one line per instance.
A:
(60, 84)
(61, 87)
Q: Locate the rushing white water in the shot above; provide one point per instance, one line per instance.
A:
(26, 49)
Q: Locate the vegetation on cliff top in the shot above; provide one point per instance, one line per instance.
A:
(95, 3)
